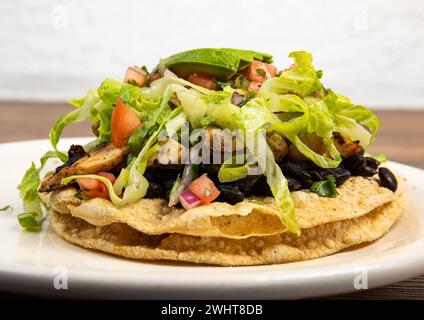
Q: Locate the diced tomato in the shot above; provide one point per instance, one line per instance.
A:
(94, 188)
(123, 122)
(107, 175)
(204, 189)
(136, 76)
(260, 71)
(88, 183)
(203, 80)
(254, 86)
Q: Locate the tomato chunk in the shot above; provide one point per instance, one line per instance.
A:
(254, 86)
(260, 71)
(203, 80)
(136, 76)
(123, 122)
(94, 188)
(204, 189)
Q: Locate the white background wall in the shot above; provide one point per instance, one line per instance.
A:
(372, 51)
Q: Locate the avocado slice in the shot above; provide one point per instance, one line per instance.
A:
(222, 63)
(247, 56)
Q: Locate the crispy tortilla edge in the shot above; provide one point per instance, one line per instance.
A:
(340, 235)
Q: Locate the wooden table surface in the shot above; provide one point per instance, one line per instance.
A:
(401, 138)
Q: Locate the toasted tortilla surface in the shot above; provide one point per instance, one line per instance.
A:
(251, 217)
(321, 240)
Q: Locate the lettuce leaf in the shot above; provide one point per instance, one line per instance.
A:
(109, 90)
(301, 79)
(357, 122)
(150, 121)
(294, 130)
(32, 218)
(279, 188)
(131, 178)
(174, 125)
(82, 112)
(231, 170)
(194, 106)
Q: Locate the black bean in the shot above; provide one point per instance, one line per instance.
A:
(364, 171)
(247, 185)
(306, 183)
(316, 175)
(372, 163)
(167, 193)
(167, 184)
(160, 175)
(229, 194)
(294, 185)
(359, 165)
(155, 190)
(354, 162)
(210, 169)
(262, 188)
(340, 174)
(387, 179)
(297, 170)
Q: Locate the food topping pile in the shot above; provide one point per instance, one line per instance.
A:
(212, 125)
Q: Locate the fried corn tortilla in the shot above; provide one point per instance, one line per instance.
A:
(252, 217)
(321, 240)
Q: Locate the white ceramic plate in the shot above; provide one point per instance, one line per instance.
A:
(30, 262)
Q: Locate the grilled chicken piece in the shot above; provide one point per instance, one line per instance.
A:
(277, 145)
(346, 146)
(101, 159)
(222, 139)
(314, 142)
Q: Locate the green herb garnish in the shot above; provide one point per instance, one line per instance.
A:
(325, 188)
(246, 99)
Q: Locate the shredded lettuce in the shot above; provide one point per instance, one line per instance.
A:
(174, 125)
(301, 79)
(140, 99)
(150, 122)
(294, 130)
(82, 112)
(194, 106)
(290, 95)
(32, 217)
(357, 122)
(131, 183)
(231, 170)
(381, 157)
(280, 190)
